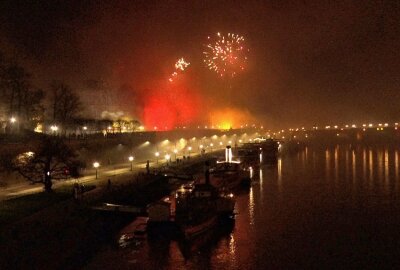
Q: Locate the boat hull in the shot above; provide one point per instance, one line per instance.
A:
(226, 206)
(192, 231)
(230, 180)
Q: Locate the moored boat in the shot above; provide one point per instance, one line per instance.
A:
(269, 150)
(198, 209)
(229, 174)
(192, 231)
(249, 155)
(266, 149)
(226, 205)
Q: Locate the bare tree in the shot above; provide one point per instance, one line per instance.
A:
(15, 81)
(119, 123)
(66, 104)
(53, 159)
(18, 96)
(33, 110)
(135, 124)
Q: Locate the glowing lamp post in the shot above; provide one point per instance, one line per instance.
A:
(211, 145)
(54, 128)
(157, 154)
(201, 147)
(167, 158)
(96, 165)
(175, 152)
(13, 122)
(131, 158)
(189, 149)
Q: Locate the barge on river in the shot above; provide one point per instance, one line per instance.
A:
(230, 174)
(259, 151)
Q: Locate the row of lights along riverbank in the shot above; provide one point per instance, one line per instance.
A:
(202, 146)
(84, 129)
(364, 127)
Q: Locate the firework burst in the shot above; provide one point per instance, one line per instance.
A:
(180, 66)
(226, 55)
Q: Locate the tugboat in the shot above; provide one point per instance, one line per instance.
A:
(227, 175)
(199, 209)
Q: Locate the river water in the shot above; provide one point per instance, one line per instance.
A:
(325, 207)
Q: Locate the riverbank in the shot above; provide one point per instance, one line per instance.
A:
(66, 234)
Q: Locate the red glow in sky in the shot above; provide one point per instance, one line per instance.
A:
(170, 107)
(226, 118)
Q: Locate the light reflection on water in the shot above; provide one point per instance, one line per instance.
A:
(337, 200)
(396, 164)
(353, 167)
(387, 169)
(261, 179)
(365, 164)
(371, 167)
(232, 247)
(336, 157)
(327, 163)
(251, 206)
(279, 165)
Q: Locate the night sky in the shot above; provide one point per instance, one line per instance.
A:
(310, 62)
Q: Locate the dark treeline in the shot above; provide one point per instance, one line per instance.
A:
(23, 106)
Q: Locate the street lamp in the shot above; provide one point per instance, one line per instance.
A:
(54, 128)
(96, 165)
(84, 130)
(131, 158)
(168, 158)
(13, 121)
(157, 155)
(211, 145)
(190, 149)
(175, 152)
